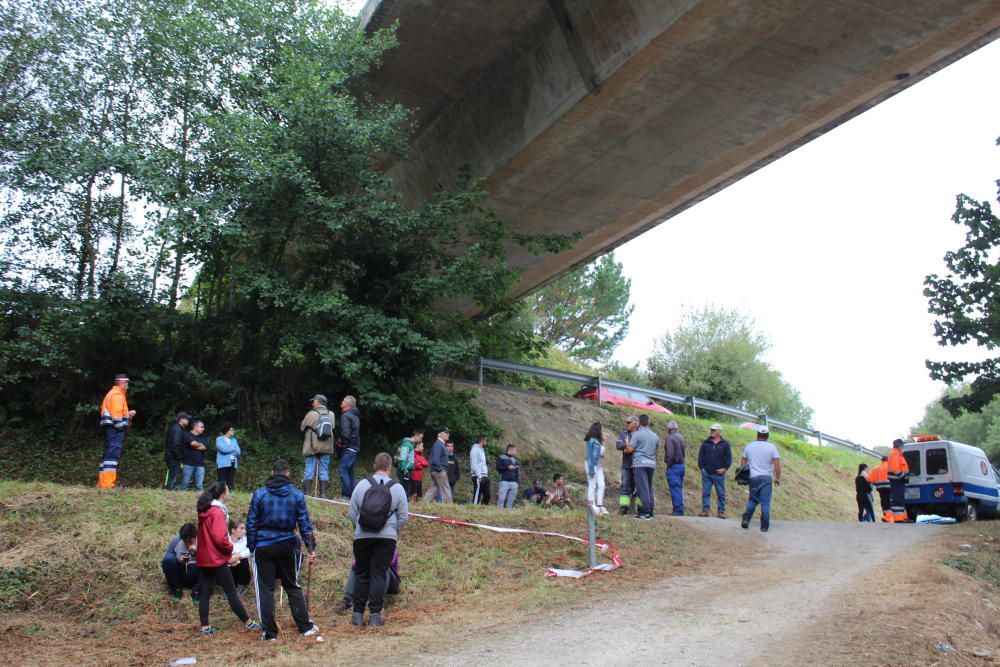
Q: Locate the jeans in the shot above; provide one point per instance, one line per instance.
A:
(675, 480)
(324, 468)
(180, 575)
(173, 474)
(193, 472)
(760, 494)
(643, 478)
(507, 494)
(708, 480)
(347, 472)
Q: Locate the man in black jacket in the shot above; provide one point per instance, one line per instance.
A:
(174, 448)
(350, 435)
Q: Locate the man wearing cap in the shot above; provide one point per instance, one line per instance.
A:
(439, 486)
(627, 495)
(115, 418)
(174, 449)
(765, 467)
(714, 459)
(316, 452)
(673, 456)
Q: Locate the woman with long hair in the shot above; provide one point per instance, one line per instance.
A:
(863, 494)
(215, 555)
(594, 466)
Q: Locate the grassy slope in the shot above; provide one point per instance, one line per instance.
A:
(80, 580)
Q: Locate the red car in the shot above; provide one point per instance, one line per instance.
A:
(626, 399)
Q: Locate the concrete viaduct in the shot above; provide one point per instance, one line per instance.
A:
(607, 117)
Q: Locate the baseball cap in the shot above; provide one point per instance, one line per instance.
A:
(318, 397)
(632, 419)
(183, 415)
(120, 377)
(443, 429)
(715, 427)
(763, 430)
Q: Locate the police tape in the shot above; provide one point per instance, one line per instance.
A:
(607, 548)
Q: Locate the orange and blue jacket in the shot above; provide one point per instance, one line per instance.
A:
(898, 469)
(114, 409)
(879, 475)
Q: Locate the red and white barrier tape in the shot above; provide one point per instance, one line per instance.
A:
(606, 547)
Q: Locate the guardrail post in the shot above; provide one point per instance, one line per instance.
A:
(694, 407)
(819, 438)
(480, 371)
(859, 448)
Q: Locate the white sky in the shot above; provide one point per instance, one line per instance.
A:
(828, 247)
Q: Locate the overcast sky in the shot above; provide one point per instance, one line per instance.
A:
(828, 247)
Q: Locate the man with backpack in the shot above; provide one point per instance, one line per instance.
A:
(317, 446)
(379, 511)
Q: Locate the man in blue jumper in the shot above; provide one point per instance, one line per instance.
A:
(714, 458)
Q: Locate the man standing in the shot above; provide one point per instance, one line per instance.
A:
(453, 472)
(480, 472)
(350, 434)
(765, 466)
(174, 449)
(275, 510)
(406, 458)
(439, 487)
(378, 520)
(899, 470)
(644, 445)
(115, 419)
(627, 493)
(315, 450)
(193, 457)
(714, 459)
(673, 456)
(509, 470)
(879, 478)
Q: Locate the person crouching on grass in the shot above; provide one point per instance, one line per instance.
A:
(241, 570)
(215, 556)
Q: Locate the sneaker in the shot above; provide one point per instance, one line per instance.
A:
(268, 637)
(375, 620)
(677, 514)
(175, 596)
(252, 625)
(763, 529)
(721, 515)
(342, 607)
(604, 510)
(744, 524)
(314, 630)
(358, 618)
(195, 600)
(704, 513)
(623, 511)
(210, 630)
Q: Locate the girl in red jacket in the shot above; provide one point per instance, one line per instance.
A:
(214, 556)
(417, 474)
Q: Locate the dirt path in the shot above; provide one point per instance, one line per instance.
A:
(741, 616)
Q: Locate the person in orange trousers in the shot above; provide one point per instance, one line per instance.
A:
(898, 472)
(115, 418)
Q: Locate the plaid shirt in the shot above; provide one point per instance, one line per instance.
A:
(275, 509)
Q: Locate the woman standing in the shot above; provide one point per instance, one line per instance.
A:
(863, 494)
(596, 450)
(227, 455)
(215, 556)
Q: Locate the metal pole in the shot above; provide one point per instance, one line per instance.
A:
(694, 407)
(591, 537)
(480, 371)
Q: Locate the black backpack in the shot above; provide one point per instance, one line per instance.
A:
(376, 505)
(324, 429)
(742, 475)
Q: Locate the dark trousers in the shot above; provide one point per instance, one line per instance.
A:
(346, 471)
(180, 576)
(627, 495)
(392, 584)
(281, 561)
(404, 481)
(241, 573)
(173, 474)
(865, 510)
(209, 576)
(884, 497)
(228, 475)
(481, 491)
(372, 556)
(643, 478)
(897, 503)
(417, 488)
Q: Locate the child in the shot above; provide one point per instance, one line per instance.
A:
(241, 571)
(178, 566)
(215, 556)
(417, 475)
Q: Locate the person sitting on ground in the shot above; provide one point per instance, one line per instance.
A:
(420, 463)
(536, 493)
(215, 556)
(178, 563)
(241, 570)
(392, 583)
(558, 494)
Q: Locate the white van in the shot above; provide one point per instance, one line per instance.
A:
(950, 479)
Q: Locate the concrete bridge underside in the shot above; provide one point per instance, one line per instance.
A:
(607, 117)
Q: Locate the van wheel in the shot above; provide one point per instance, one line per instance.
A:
(972, 512)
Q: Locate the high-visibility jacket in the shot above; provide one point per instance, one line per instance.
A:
(114, 409)
(898, 469)
(879, 475)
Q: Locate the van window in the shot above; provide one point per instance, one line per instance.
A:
(913, 461)
(937, 461)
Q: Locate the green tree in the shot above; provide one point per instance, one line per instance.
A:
(717, 354)
(967, 303)
(585, 313)
(981, 428)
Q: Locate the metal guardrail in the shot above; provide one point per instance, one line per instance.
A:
(692, 402)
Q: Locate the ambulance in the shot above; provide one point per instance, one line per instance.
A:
(949, 479)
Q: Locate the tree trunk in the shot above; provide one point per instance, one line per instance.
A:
(181, 213)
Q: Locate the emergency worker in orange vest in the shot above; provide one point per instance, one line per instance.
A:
(898, 472)
(879, 478)
(115, 418)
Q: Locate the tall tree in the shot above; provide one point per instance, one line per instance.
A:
(980, 429)
(967, 303)
(585, 313)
